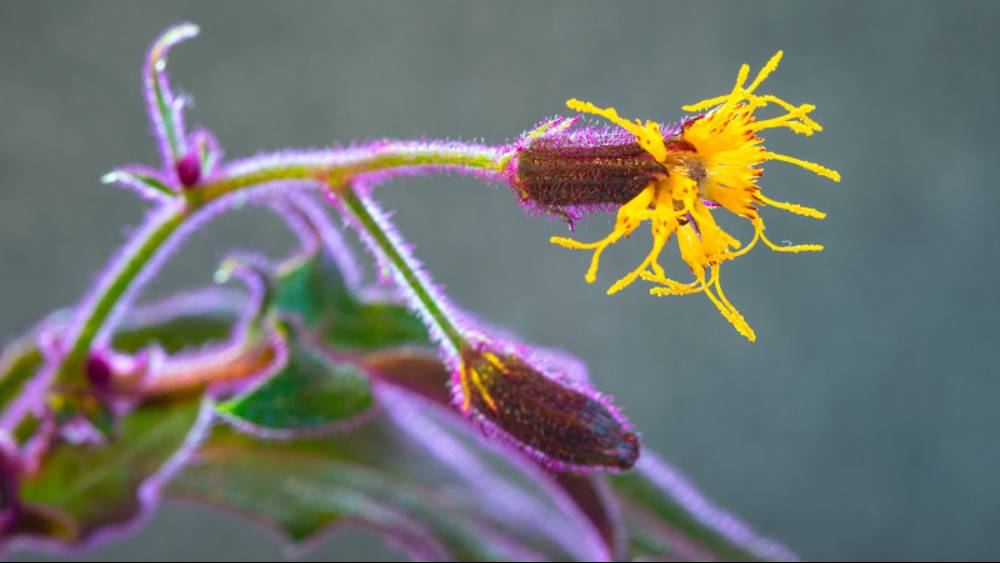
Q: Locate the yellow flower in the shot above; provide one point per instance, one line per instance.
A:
(712, 162)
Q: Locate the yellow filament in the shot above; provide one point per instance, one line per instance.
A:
(648, 135)
(810, 166)
(483, 392)
(795, 248)
(721, 302)
(463, 377)
(793, 207)
(629, 217)
(467, 374)
(734, 317)
(658, 241)
(770, 67)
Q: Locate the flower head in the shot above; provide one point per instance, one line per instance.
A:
(711, 161)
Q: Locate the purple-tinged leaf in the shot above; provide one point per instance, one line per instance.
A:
(666, 516)
(416, 370)
(384, 474)
(309, 393)
(166, 110)
(321, 288)
(94, 489)
(144, 181)
(593, 497)
(186, 321)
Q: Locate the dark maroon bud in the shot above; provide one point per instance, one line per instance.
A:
(99, 372)
(189, 169)
(561, 425)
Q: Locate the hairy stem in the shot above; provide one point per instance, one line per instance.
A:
(309, 169)
(132, 262)
(370, 221)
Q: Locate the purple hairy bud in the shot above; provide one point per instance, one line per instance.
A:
(188, 169)
(561, 425)
(561, 166)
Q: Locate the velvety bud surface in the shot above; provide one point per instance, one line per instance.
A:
(561, 425)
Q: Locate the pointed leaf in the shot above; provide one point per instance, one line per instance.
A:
(88, 486)
(312, 391)
(665, 516)
(312, 288)
(188, 321)
(413, 472)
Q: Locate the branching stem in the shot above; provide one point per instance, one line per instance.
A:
(306, 169)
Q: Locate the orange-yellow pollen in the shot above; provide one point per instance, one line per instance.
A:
(721, 172)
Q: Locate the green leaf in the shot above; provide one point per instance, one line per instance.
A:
(665, 516)
(310, 392)
(312, 288)
(89, 486)
(145, 180)
(205, 316)
(83, 488)
(381, 474)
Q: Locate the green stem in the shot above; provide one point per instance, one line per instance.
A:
(367, 219)
(336, 170)
(115, 285)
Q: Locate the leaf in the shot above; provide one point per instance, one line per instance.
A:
(82, 489)
(313, 288)
(90, 486)
(413, 472)
(144, 182)
(311, 392)
(665, 516)
(188, 321)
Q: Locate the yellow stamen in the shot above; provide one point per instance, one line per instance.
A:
(463, 377)
(770, 67)
(659, 239)
(793, 207)
(795, 248)
(491, 358)
(735, 317)
(648, 135)
(810, 166)
(483, 392)
(629, 217)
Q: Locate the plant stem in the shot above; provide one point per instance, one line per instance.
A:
(370, 221)
(113, 286)
(323, 168)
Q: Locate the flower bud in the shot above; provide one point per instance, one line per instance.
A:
(560, 424)
(188, 169)
(99, 372)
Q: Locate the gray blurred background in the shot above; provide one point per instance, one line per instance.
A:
(862, 424)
